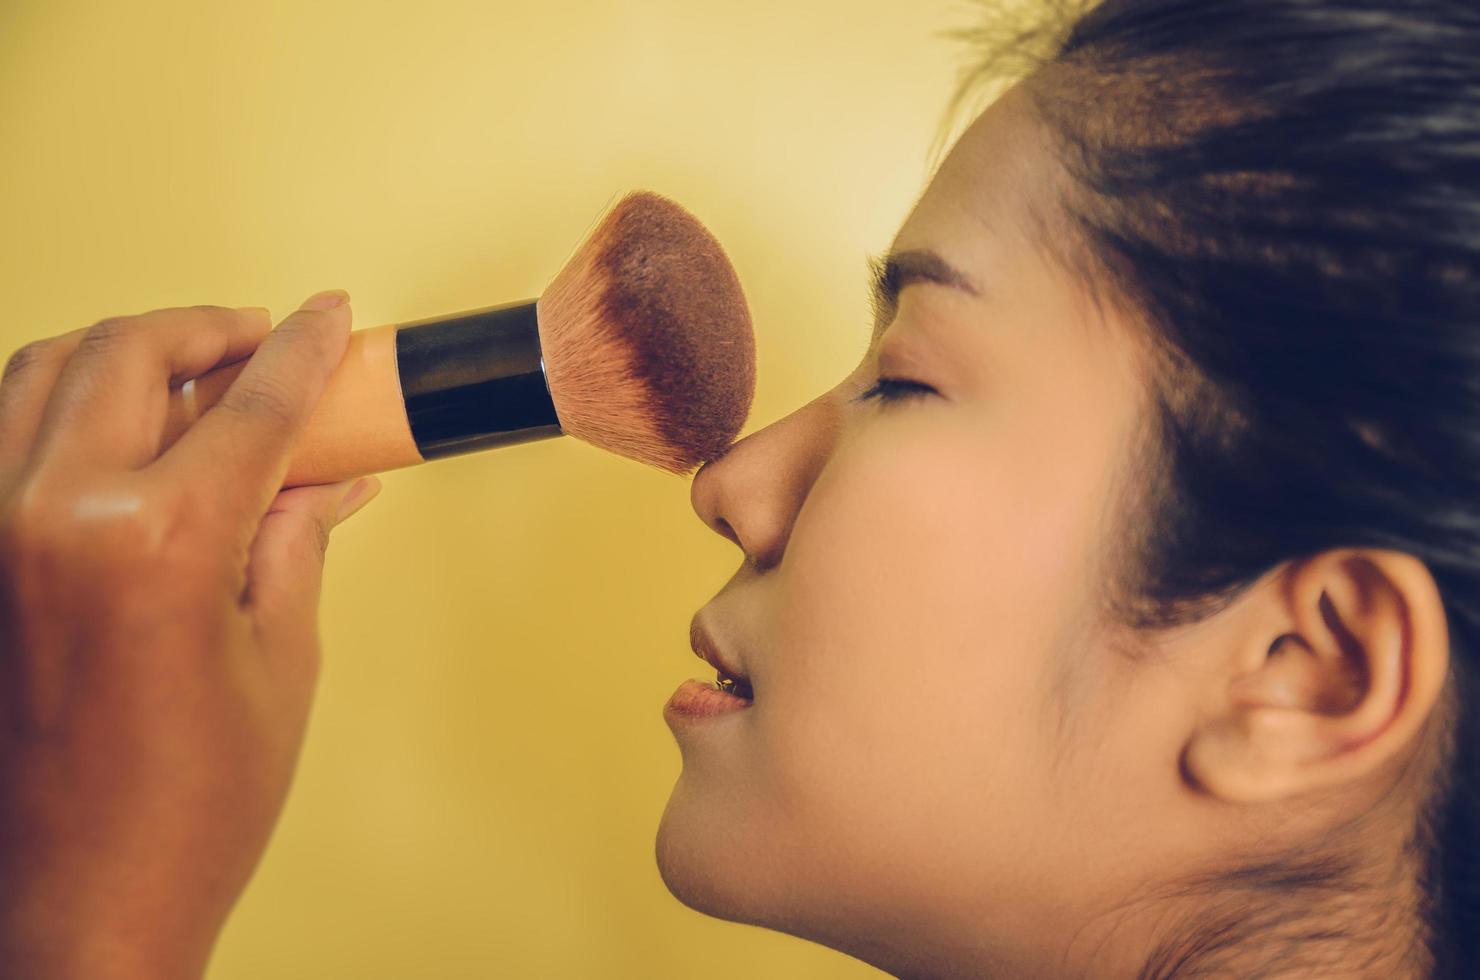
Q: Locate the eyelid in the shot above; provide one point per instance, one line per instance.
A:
(890, 390)
(895, 361)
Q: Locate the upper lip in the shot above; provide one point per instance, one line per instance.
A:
(707, 650)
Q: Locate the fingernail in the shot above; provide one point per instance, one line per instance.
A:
(359, 495)
(256, 311)
(327, 300)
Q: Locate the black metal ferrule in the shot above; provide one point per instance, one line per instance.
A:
(475, 380)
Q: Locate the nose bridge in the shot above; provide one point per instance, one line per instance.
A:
(751, 495)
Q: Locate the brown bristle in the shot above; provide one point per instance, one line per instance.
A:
(647, 339)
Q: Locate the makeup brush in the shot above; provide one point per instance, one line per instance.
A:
(641, 345)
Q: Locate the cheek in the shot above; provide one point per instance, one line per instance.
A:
(921, 600)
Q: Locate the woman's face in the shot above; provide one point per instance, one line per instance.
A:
(929, 759)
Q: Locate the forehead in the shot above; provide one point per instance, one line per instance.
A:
(987, 189)
(993, 210)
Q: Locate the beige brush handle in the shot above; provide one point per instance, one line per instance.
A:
(358, 427)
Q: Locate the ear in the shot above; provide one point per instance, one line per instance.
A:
(1336, 662)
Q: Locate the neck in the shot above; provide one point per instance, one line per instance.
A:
(1277, 921)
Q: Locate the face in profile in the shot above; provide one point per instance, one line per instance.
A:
(923, 548)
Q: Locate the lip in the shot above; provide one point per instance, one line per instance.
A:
(695, 701)
(704, 647)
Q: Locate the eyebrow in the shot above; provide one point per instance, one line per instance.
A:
(889, 274)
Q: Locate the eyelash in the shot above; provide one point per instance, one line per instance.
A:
(889, 390)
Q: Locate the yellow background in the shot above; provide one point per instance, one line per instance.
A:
(487, 760)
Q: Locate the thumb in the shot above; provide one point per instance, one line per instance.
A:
(287, 560)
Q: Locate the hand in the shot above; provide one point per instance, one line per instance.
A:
(158, 643)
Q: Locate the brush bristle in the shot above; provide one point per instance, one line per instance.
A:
(647, 338)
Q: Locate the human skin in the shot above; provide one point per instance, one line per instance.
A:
(949, 769)
(358, 425)
(158, 638)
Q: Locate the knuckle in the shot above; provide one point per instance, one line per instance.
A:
(108, 333)
(35, 353)
(176, 552)
(318, 537)
(41, 530)
(212, 311)
(24, 526)
(110, 535)
(263, 398)
(180, 537)
(137, 571)
(33, 517)
(309, 330)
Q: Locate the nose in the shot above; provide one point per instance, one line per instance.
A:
(751, 494)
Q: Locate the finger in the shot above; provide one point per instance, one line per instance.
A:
(109, 402)
(286, 567)
(29, 376)
(238, 450)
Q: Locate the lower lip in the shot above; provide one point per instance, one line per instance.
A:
(695, 699)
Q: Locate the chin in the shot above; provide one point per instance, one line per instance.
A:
(703, 868)
(696, 865)
(704, 875)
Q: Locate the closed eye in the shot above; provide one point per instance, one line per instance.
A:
(890, 390)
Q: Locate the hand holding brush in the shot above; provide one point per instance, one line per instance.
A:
(159, 586)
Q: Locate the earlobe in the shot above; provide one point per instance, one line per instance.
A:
(1337, 664)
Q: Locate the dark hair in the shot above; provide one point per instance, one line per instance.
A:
(1287, 195)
